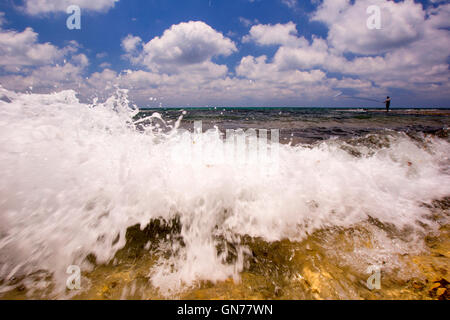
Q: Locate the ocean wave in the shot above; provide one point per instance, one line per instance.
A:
(76, 177)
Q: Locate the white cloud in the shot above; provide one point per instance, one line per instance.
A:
(417, 67)
(290, 3)
(177, 65)
(181, 66)
(258, 69)
(407, 55)
(181, 47)
(25, 62)
(193, 89)
(80, 60)
(105, 65)
(19, 49)
(278, 34)
(101, 55)
(130, 43)
(401, 23)
(247, 22)
(35, 7)
(314, 55)
(440, 16)
(46, 78)
(412, 48)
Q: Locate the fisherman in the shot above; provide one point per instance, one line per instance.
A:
(388, 103)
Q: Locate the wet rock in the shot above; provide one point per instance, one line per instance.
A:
(443, 134)
(440, 291)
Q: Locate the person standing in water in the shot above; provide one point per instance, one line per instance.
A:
(388, 103)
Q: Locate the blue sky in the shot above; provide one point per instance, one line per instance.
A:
(230, 53)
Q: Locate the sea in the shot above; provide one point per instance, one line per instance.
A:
(104, 200)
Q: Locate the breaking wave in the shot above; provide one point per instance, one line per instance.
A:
(75, 177)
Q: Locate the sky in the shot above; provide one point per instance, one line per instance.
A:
(237, 53)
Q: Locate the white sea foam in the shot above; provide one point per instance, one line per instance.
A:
(74, 177)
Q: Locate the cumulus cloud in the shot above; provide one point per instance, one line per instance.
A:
(278, 34)
(25, 62)
(248, 22)
(259, 69)
(177, 65)
(180, 67)
(290, 3)
(181, 47)
(410, 52)
(35, 7)
(105, 65)
(101, 55)
(184, 89)
(19, 49)
(130, 43)
(401, 23)
(46, 78)
(411, 47)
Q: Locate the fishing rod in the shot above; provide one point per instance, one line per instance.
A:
(358, 98)
(367, 99)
